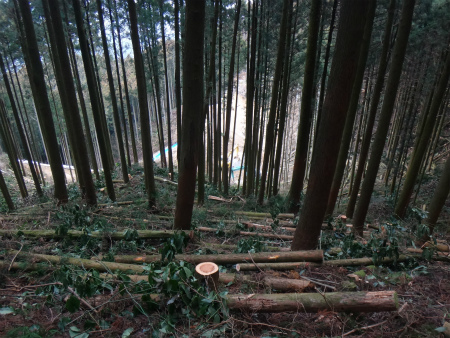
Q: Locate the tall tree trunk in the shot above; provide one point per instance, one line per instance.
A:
(112, 93)
(119, 85)
(125, 86)
(20, 129)
(206, 107)
(67, 93)
(8, 141)
(94, 96)
(169, 125)
(270, 134)
(177, 73)
(147, 151)
(373, 110)
(419, 152)
(193, 116)
(283, 107)
(351, 114)
(226, 135)
(385, 115)
(439, 197)
(342, 77)
(304, 127)
(38, 87)
(5, 193)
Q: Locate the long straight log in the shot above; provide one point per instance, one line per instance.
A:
(336, 262)
(246, 233)
(280, 284)
(223, 247)
(315, 302)
(262, 214)
(143, 234)
(261, 257)
(85, 263)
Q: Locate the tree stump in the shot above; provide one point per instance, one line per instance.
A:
(210, 273)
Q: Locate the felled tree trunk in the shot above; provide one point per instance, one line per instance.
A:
(314, 302)
(261, 257)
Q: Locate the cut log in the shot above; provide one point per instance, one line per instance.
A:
(209, 272)
(219, 247)
(314, 302)
(85, 263)
(246, 233)
(143, 234)
(336, 262)
(280, 284)
(262, 214)
(166, 181)
(261, 257)
(266, 227)
(439, 246)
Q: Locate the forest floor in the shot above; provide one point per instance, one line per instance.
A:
(42, 299)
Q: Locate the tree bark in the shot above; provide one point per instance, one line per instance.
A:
(147, 152)
(353, 107)
(94, 96)
(314, 302)
(112, 93)
(304, 127)
(193, 116)
(38, 87)
(343, 71)
(373, 110)
(420, 151)
(261, 257)
(385, 115)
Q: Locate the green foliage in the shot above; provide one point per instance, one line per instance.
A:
(175, 244)
(185, 294)
(251, 244)
(73, 191)
(377, 247)
(34, 331)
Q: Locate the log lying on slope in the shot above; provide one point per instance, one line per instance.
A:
(85, 263)
(354, 302)
(297, 265)
(246, 233)
(262, 214)
(315, 302)
(261, 257)
(97, 234)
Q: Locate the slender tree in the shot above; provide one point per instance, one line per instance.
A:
(439, 197)
(385, 115)
(193, 118)
(143, 106)
(94, 96)
(351, 114)
(5, 193)
(112, 93)
(39, 89)
(304, 127)
(420, 150)
(226, 135)
(20, 129)
(270, 134)
(373, 110)
(342, 77)
(67, 92)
